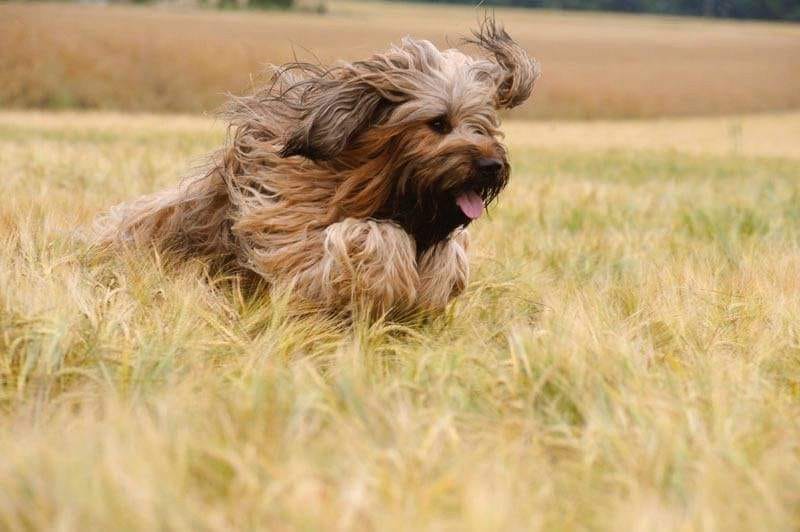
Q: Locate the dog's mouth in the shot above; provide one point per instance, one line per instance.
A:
(478, 193)
(471, 204)
(431, 216)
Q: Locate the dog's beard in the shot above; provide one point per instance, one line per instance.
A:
(430, 215)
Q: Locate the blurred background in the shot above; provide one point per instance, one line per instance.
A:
(601, 58)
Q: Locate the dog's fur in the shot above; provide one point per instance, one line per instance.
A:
(340, 183)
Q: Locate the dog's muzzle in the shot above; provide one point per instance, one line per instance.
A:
(478, 191)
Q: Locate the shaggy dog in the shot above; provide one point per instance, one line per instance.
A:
(350, 185)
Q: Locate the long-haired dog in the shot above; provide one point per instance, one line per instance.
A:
(353, 184)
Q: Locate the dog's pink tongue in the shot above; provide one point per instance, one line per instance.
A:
(471, 204)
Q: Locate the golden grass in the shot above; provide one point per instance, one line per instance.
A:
(595, 65)
(625, 358)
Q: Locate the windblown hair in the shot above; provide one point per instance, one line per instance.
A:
(352, 184)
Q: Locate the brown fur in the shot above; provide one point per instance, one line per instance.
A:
(340, 182)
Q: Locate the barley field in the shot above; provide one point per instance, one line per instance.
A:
(626, 356)
(66, 55)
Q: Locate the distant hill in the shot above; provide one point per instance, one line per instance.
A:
(595, 65)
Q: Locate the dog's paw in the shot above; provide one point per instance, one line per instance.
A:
(444, 271)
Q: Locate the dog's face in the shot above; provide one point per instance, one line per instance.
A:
(447, 164)
(413, 131)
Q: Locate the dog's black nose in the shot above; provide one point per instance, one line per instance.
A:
(489, 167)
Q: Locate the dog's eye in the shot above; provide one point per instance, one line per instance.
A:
(440, 124)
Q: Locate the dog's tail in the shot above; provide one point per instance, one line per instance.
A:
(190, 219)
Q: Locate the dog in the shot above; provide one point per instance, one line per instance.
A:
(354, 185)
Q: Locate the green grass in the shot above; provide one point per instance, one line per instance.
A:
(626, 356)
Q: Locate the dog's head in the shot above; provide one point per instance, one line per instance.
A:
(413, 132)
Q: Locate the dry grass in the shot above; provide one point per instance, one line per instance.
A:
(60, 55)
(626, 356)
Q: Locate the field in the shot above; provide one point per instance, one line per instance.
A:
(595, 66)
(626, 357)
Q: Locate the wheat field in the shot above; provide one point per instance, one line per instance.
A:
(626, 356)
(65, 55)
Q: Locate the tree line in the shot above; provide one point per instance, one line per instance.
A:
(753, 9)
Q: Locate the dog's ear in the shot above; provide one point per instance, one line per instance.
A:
(516, 72)
(332, 109)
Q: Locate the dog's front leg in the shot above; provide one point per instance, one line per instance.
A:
(364, 263)
(444, 271)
